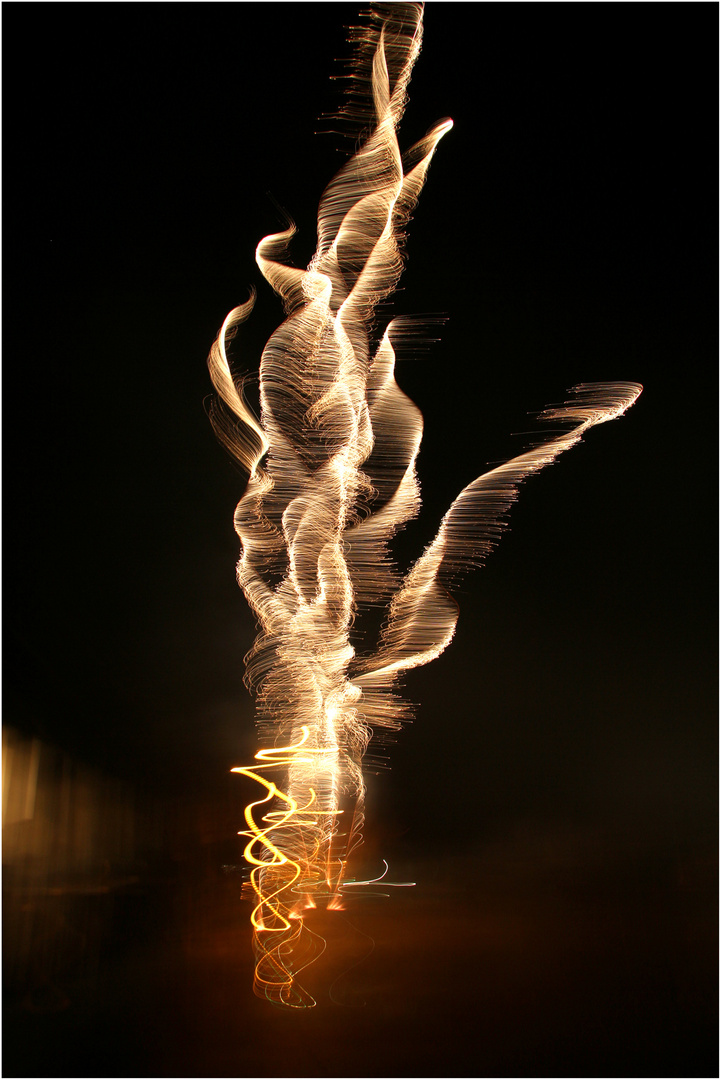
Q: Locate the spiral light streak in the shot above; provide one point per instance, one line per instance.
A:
(332, 478)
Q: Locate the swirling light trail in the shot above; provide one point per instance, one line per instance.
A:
(340, 441)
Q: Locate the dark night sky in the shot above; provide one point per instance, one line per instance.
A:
(567, 231)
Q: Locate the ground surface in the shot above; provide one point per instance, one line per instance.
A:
(517, 967)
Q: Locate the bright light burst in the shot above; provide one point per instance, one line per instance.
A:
(332, 478)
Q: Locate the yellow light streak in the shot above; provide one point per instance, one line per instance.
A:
(332, 478)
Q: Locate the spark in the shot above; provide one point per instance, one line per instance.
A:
(331, 464)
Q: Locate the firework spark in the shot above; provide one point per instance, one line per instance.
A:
(331, 465)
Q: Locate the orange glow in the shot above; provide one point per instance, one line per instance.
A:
(332, 478)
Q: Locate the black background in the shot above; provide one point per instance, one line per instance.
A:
(568, 233)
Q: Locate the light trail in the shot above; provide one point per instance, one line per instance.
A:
(332, 478)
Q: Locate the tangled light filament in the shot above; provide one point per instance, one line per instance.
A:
(340, 441)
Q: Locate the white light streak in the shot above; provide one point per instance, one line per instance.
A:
(332, 478)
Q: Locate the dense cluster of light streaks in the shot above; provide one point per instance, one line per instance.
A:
(332, 478)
